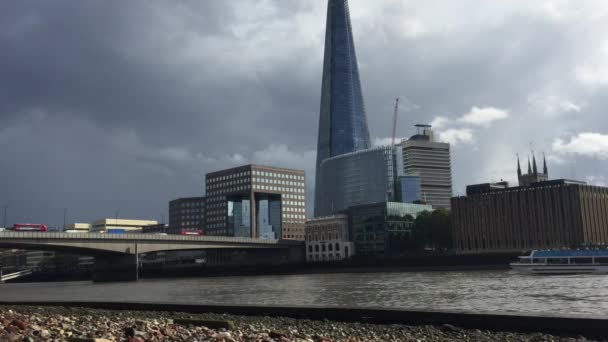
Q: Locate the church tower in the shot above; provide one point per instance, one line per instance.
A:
(533, 176)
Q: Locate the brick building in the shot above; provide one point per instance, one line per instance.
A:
(545, 214)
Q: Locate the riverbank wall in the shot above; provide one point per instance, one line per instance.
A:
(424, 263)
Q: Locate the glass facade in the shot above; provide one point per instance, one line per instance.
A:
(356, 178)
(409, 189)
(269, 218)
(376, 227)
(342, 122)
(239, 212)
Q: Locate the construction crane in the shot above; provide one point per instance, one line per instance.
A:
(395, 120)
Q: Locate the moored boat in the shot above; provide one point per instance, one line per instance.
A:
(567, 261)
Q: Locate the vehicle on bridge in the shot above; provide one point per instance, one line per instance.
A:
(191, 232)
(30, 227)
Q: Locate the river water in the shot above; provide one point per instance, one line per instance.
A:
(500, 291)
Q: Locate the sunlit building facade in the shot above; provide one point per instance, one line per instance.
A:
(256, 201)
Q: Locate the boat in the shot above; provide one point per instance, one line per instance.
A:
(565, 261)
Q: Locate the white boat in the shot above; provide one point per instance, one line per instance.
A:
(568, 261)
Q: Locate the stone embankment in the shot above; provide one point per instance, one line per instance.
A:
(29, 323)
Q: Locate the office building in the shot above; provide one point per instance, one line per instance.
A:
(429, 159)
(187, 213)
(376, 228)
(546, 214)
(129, 226)
(409, 189)
(342, 121)
(77, 227)
(327, 239)
(256, 201)
(356, 178)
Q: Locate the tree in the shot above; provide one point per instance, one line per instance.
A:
(433, 229)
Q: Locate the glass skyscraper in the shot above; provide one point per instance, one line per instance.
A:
(342, 122)
(356, 178)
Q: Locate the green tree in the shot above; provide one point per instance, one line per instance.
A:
(433, 229)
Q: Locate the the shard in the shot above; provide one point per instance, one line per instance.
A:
(342, 122)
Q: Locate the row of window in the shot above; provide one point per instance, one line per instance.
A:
(230, 176)
(278, 181)
(187, 211)
(294, 203)
(215, 225)
(291, 196)
(228, 183)
(277, 188)
(330, 236)
(295, 210)
(192, 204)
(277, 175)
(294, 216)
(188, 217)
(324, 247)
(231, 189)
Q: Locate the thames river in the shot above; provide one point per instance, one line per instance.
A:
(501, 291)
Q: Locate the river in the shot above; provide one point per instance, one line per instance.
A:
(499, 291)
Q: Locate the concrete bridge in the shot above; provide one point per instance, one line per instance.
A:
(117, 255)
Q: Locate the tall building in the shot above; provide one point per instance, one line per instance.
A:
(533, 175)
(356, 178)
(187, 213)
(429, 159)
(342, 121)
(256, 201)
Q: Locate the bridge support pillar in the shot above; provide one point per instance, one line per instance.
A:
(116, 268)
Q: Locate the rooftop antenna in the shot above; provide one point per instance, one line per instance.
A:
(395, 120)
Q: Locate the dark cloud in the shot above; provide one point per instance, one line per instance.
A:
(117, 105)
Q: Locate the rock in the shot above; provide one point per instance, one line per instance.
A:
(44, 333)
(129, 332)
(12, 329)
(277, 334)
(228, 325)
(449, 328)
(79, 339)
(21, 324)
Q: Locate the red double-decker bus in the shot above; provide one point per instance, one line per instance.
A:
(30, 227)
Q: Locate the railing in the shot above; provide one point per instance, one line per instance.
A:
(9, 235)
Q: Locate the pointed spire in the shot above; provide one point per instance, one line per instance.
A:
(529, 167)
(534, 169)
(518, 168)
(545, 170)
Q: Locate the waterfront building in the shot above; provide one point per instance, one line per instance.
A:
(256, 201)
(356, 178)
(546, 214)
(131, 226)
(429, 159)
(376, 228)
(409, 189)
(327, 239)
(187, 213)
(77, 227)
(342, 120)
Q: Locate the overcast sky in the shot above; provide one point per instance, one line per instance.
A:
(125, 105)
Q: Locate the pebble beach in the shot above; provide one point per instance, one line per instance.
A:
(30, 323)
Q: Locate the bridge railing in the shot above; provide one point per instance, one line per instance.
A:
(137, 237)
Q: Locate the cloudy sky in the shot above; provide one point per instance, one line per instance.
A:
(114, 105)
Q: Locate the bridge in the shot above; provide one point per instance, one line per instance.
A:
(117, 255)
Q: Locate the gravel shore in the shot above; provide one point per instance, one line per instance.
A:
(29, 323)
